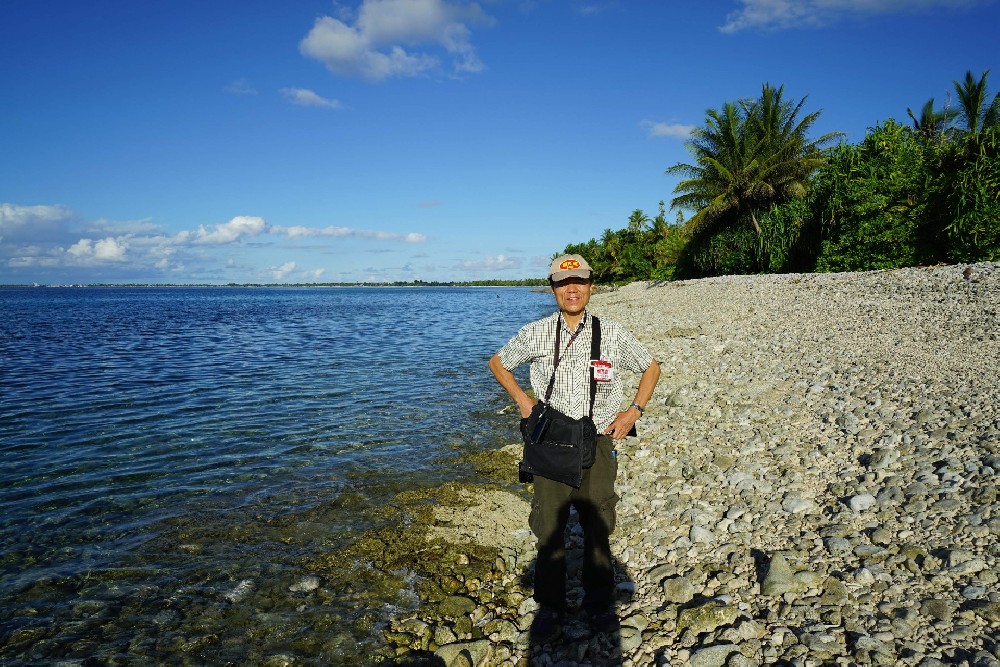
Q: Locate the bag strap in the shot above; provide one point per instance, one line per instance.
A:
(595, 353)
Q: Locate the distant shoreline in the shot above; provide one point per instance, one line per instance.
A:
(502, 283)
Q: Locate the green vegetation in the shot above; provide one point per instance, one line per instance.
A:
(765, 198)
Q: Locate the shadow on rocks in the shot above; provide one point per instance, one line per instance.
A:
(415, 659)
(579, 642)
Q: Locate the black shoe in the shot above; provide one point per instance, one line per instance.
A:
(546, 626)
(602, 620)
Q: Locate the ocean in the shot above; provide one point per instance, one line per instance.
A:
(173, 458)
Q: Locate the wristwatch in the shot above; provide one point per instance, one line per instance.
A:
(639, 408)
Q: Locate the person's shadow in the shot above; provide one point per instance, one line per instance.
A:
(577, 641)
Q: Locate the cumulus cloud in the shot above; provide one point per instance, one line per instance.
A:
(239, 227)
(108, 249)
(54, 239)
(674, 130)
(307, 98)
(279, 272)
(781, 14)
(390, 38)
(304, 232)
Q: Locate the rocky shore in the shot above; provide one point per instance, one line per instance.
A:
(815, 483)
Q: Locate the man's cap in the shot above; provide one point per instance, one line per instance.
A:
(569, 266)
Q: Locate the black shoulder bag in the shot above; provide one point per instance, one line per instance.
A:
(556, 446)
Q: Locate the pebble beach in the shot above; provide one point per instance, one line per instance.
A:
(814, 483)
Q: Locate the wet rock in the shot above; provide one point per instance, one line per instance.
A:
(306, 584)
(454, 606)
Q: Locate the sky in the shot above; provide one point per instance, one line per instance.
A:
(310, 141)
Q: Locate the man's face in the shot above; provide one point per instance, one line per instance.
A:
(572, 294)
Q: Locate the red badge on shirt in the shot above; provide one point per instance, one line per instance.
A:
(603, 370)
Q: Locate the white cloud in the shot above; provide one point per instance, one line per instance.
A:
(383, 40)
(82, 248)
(110, 250)
(87, 251)
(307, 98)
(234, 230)
(667, 129)
(279, 272)
(781, 14)
(30, 222)
(54, 238)
(494, 263)
(12, 215)
(305, 232)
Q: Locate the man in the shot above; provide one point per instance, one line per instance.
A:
(570, 279)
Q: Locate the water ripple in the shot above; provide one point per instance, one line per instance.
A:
(129, 418)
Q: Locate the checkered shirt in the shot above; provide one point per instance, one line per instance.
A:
(535, 344)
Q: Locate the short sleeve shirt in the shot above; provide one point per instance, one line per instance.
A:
(535, 344)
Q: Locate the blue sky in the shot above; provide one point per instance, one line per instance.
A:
(312, 141)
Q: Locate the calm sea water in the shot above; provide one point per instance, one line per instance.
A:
(170, 458)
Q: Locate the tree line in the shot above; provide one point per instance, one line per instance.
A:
(764, 197)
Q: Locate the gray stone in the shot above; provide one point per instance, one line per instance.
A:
(713, 656)
(797, 505)
(883, 458)
(780, 578)
(631, 638)
(837, 546)
(989, 611)
(678, 590)
(477, 654)
(939, 609)
(861, 502)
(701, 535)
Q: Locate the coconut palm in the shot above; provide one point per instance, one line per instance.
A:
(638, 221)
(932, 124)
(750, 155)
(977, 110)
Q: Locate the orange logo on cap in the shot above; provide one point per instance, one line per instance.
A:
(570, 264)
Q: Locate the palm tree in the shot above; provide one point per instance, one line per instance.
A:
(638, 221)
(932, 124)
(612, 246)
(750, 155)
(977, 110)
